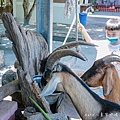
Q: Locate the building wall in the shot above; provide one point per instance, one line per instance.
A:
(109, 2)
(58, 12)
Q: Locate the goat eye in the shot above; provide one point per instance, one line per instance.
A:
(98, 70)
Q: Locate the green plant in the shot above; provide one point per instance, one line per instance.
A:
(41, 110)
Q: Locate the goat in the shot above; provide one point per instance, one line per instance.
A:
(60, 52)
(88, 104)
(64, 47)
(107, 76)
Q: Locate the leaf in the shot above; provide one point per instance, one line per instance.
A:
(41, 110)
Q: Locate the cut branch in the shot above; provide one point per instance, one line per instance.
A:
(30, 48)
(9, 89)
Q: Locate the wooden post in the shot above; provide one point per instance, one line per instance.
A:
(30, 48)
(44, 20)
(9, 89)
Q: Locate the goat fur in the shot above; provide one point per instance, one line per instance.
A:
(88, 104)
(109, 80)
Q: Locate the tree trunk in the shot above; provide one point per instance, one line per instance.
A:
(29, 48)
(27, 13)
(25, 7)
(28, 16)
(9, 89)
(11, 2)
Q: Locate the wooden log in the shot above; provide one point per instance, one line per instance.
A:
(9, 89)
(30, 49)
(31, 90)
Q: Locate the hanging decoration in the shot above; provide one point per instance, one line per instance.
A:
(69, 5)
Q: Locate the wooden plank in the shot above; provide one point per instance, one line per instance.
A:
(30, 48)
(7, 110)
(9, 89)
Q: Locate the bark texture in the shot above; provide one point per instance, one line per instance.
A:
(30, 48)
(27, 12)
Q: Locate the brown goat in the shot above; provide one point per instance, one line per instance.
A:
(107, 77)
(111, 84)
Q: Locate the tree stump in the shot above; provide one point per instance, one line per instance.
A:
(30, 48)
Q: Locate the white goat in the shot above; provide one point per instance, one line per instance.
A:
(88, 104)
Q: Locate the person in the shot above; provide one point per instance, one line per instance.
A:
(84, 33)
(113, 35)
(112, 28)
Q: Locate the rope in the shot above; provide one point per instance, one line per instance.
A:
(76, 6)
(69, 31)
(69, 5)
(68, 9)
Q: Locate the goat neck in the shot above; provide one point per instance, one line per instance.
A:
(53, 58)
(88, 104)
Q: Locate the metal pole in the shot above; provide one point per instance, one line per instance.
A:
(69, 30)
(44, 20)
(76, 6)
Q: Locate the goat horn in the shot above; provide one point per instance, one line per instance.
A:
(111, 58)
(67, 46)
(73, 44)
(59, 54)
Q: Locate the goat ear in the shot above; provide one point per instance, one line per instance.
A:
(107, 82)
